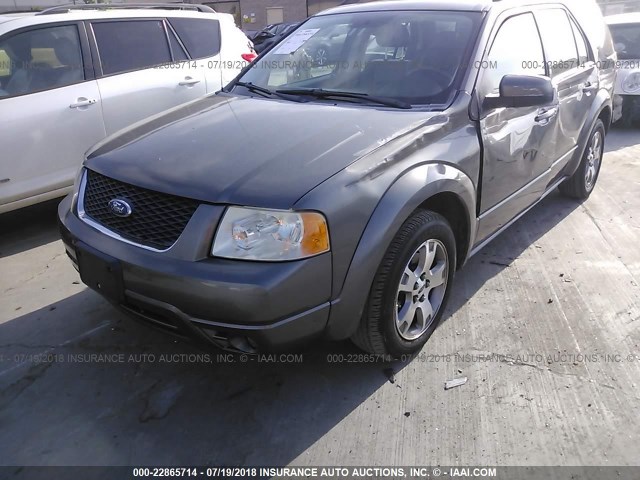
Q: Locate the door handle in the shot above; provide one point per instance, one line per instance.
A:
(82, 102)
(188, 81)
(589, 87)
(546, 114)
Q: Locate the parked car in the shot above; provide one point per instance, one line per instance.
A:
(71, 76)
(625, 29)
(324, 47)
(272, 35)
(341, 205)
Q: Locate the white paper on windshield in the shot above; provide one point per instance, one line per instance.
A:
(295, 41)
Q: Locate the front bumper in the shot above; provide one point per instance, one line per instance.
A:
(629, 108)
(231, 304)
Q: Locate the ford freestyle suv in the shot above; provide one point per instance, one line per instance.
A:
(70, 76)
(338, 200)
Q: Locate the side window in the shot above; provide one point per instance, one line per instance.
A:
(505, 59)
(583, 51)
(131, 45)
(557, 37)
(5, 64)
(201, 36)
(40, 59)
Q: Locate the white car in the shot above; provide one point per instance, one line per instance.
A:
(69, 77)
(625, 30)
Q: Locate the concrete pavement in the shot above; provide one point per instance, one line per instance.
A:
(544, 323)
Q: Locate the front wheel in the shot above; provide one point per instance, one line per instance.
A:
(583, 181)
(411, 287)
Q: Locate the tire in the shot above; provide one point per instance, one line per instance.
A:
(385, 328)
(583, 181)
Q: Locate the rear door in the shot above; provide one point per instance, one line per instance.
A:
(50, 111)
(201, 38)
(142, 70)
(575, 77)
(516, 148)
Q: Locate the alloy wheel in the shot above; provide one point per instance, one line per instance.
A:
(594, 157)
(421, 289)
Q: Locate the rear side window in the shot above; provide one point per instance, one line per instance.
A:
(131, 45)
(557, 37)
(504, 59)
(200, 36)
(627, 40)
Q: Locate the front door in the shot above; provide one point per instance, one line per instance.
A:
(516, 149)
(50, 113)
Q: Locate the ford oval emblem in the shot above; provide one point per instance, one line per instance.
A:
(120, 208)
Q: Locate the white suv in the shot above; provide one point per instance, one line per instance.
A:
(71, 76)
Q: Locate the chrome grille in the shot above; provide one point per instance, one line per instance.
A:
(156, 219)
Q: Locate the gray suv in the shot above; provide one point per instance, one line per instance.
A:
(339, 200)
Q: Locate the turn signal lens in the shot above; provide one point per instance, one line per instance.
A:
(316, 235)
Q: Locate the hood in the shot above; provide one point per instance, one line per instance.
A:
(247, 151)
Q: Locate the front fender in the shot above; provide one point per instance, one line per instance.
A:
(407, 194)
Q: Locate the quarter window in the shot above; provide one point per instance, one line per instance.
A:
(583, 52)
(516, 50)
(176, 49)
(557, 37)
(200, 36)
(40, 59)
(131, 45)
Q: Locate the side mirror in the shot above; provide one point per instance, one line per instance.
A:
(522, 91)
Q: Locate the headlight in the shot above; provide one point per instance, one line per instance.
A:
(270, 235)
(631, 84)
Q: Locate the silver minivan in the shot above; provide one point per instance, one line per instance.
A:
(69, 77)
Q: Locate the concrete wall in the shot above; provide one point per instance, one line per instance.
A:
(294, 11)
(611, 7)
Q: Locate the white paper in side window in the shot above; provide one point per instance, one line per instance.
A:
(295, 41)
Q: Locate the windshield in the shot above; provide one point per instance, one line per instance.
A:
(627, 40)
(414, 57)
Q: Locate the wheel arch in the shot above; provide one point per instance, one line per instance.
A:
(440, 187)
(601, 110)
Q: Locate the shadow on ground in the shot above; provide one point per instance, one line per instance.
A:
(82, 385)
(623, 138)
(28, 228)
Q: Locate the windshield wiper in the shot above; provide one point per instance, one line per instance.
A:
(322, 93)
(266, 92)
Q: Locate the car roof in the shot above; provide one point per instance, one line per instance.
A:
(623, 18)
(28, 19)
(464, 5)
(6, 17)
(91, 14)
(445, 5)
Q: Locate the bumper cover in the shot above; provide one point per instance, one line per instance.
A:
(224, 302)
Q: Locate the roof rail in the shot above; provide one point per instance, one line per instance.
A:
(124, 6)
